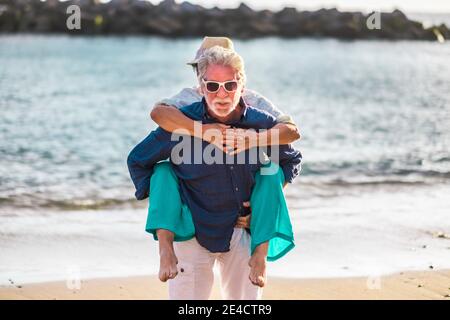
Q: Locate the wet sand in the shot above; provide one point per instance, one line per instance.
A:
(432, 284)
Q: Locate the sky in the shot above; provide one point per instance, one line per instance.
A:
(425, 6)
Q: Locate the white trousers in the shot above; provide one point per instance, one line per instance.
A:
(195, 270)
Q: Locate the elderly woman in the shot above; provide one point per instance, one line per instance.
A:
(197, 205)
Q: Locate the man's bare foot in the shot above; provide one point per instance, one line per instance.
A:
(167, 264)
(257, 265)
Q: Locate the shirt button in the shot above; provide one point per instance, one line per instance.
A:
(237, 189)
(231, 167)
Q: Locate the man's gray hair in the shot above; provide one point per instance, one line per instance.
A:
(221, 56)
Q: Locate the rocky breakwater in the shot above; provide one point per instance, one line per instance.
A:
(171, 19)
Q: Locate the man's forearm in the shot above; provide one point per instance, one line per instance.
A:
(170, 119)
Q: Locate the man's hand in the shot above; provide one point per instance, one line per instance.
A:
(244, 222)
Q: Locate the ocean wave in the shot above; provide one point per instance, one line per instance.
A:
(67, 204)
(330, 185)
(375, 182)
(439, 169)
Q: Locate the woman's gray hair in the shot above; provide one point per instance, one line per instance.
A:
(221, 56)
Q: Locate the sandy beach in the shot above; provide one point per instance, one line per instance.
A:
(423, 285)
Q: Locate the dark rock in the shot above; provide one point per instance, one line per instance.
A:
(245, 10)
(190, 8)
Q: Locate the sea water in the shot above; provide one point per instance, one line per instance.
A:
(373, 196)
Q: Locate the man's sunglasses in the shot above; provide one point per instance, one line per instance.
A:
(214, 86)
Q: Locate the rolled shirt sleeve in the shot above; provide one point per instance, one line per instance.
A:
(287, 157)
(290, 162)
(143, 157)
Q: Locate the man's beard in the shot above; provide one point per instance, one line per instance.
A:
(222, 105)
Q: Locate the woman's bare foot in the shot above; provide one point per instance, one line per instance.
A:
(167, 264)
(257, 265)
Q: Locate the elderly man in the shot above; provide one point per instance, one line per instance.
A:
(213, 193)
(166, 114)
